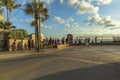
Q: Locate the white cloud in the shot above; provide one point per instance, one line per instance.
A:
(46, 26)
(85, 7)
(106, 21)
(61, 1)
(59, 20)
(63, 21)
(21, 21)
(71, 27)
(47, 1)
(75, 25)
(72, 2)
(94, 19)
(66, 30)
(25, 20)
(70, 19)
(104, 2)
(24, 2)
(90, 1)
(67, 25)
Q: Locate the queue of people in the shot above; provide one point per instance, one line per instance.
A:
(86, 41)
(29, 44)
(20, 46)
(50, 43)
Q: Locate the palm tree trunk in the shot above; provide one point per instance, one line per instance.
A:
(38, 32)
(7, 15)
(37, 16)
(36, 38)
(38, 28)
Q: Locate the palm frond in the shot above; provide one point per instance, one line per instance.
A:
(33, 23)
(29, 9)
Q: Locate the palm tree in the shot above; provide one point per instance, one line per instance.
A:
(8, 27)
(40, 14)
(1, 10)
(1, 22)
(10, 5)
(4, 3)
(1, 25)
(33, 24)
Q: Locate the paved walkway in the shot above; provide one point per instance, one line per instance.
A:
(76, 63)
(13, 55)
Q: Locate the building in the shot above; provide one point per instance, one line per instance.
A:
(1, 17)
(33, 36)
(1, 30)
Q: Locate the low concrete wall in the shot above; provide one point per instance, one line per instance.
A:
(61, 46)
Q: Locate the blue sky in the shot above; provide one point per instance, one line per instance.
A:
(73, 16)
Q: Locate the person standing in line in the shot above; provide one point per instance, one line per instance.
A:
(79, 41)
(63, 40)
(22, 46)
(44, 43)
(29, 44)
(88, 41)
(15, 45)
(58, 41)
(50, 42)
(47, 42)
(66, 40)
(55, 41)
(95, 39)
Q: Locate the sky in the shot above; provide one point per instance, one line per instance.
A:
(77, 17)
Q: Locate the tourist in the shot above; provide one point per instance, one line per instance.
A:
(29, 44)
(66, 40)
(15, 45)
(22, 46)
(88, 41)
(47, 42)
(95, 39)
(79, 41)
(58, 41)
(44, 43)
(63, 40)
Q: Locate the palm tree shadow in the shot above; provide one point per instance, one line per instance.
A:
(100, 72)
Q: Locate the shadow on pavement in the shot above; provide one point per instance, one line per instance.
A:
(100, 72)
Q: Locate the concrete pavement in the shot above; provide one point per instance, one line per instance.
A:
(76, 63)
(17, 55)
